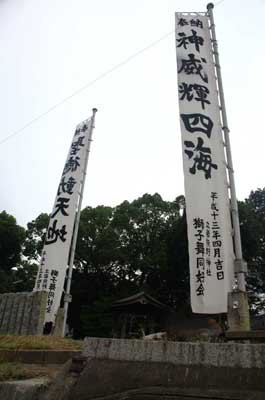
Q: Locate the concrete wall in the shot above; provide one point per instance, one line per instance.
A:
(119, 365)
(23, 390)
(230, 355)
(106, 377)
(114, 367)
(22, 313)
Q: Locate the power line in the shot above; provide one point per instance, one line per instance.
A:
(81, 89)
(218, 2)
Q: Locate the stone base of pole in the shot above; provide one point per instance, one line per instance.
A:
(59, 321)
(238, 313)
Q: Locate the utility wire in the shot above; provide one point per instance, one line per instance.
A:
(81, 89)
(218, 2)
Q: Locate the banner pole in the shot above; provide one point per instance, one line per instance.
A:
(240, 265)
(67, 296)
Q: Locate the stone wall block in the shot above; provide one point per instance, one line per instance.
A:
(13, 313)
(3, 298)
(20, 312)
(27, 315)
(37, 313)
(223, 355)
(7, 313)
(42, 311)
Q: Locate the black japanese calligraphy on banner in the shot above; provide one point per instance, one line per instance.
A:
(53, 265)
(209, 226)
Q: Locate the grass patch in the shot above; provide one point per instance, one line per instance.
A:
(13, 371)
(12, 342)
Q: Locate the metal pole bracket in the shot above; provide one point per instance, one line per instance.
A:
(67, 298)
(241, 266)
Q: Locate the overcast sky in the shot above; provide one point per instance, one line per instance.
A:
(51, 48)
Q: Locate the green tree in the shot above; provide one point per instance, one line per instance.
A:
(35, 237)
(23, 277)
(140, 227)
(252, 226)
(11, 239)
(96, 242)
(94, 262)
(125, 249)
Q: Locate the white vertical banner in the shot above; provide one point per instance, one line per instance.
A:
(55, 254)
(211, 253)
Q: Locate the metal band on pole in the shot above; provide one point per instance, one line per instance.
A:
(240, 265)
(67, 296)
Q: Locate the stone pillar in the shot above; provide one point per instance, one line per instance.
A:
(41, 312)
(27, 315)
(13, 313)
(36, 323)
(3, 299)
(58, 327)
(7, 313)
(20, 313)
(238, 314)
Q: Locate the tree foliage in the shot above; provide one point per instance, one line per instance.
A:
(11, 237)
(252, 224)
(35, 236)
(138, 245)
(125, 249)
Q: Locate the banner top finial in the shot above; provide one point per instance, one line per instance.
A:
(210, 6)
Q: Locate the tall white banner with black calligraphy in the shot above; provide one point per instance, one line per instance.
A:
(207, 202)
(54, 260)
